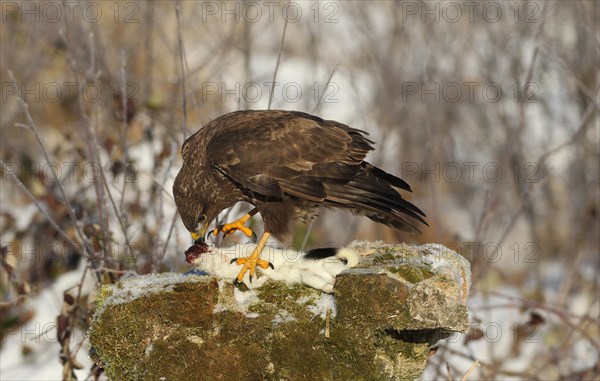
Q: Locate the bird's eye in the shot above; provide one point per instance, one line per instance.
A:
(201, 223)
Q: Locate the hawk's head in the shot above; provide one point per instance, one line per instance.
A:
(195, 204)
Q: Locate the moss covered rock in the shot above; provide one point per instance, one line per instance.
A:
(379, 324)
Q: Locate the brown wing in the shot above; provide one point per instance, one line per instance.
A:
(274, 154)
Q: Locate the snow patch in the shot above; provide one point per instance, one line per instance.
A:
(324, 303)
(282, 316)
(39, 335)
(139, 286)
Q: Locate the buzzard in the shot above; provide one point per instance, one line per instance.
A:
(287, 164)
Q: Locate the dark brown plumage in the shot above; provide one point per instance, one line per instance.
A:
(287, 164)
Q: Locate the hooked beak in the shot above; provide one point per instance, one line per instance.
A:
(196, 237)
(199, 237)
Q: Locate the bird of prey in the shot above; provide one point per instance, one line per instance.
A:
(286, 164)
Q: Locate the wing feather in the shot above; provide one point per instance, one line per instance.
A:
(271, 154)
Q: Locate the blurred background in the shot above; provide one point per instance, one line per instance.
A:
(488, 109)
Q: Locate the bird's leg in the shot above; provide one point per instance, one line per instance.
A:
(250, 263)
(238, 224)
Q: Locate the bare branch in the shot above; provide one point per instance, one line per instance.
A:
(181, 69)
(324, 89)
(272, 90)
(33, 199)
(32, 126)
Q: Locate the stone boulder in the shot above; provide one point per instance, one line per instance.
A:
(380, 322)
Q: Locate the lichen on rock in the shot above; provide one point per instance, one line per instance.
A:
(379, 324)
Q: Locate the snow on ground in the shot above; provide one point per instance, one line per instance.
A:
(497, 324)
(137, 286)
(499, 317)
(325, 303)
(39, 336)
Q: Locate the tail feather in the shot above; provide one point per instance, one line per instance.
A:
(371, 193)
(379, 214)
(391, 179)
(379, 187)
(385, 204)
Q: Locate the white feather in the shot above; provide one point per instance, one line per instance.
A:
(290, 265)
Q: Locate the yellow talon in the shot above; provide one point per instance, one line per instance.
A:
(250, 263)
(238, 224)
(232, 227)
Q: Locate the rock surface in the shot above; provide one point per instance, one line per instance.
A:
(379, 324)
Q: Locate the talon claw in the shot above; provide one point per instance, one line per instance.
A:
(240, 285)
(228, 229)
(271, 266)
(253, 261)
(232, 261)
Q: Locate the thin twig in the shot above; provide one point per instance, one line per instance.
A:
(580, 84)
(563, 315)
(449, 370)
(483, 217)
(164, 190)
(471, 369)
(181, 69)
(159, 255)
(33, 199)
(272, 90)
(541, 163)
(506, 372)
(156, 254)
(247, 51)
(94, 151)
(581, 127)
(124, 125)
(32, 126)
(171, 229)
(324, 89)
(529, 75)
(88, 137)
